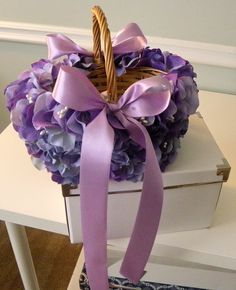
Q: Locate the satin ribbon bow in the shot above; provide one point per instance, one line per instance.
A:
(127, 40)
(148, 97)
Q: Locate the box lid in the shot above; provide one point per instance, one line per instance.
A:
(199, 161)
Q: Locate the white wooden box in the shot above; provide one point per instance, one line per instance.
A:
(192, 185)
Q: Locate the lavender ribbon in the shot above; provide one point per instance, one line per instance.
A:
(147, 97)
(127, 40)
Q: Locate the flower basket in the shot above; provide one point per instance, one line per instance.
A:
(113, 114)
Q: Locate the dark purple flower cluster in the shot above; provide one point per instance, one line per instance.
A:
(53, 133)
(167, 128)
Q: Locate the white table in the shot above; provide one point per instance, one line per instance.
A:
(29, 198)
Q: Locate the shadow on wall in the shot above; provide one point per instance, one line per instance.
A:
(4, 120)
(15, 58)
(4, 114)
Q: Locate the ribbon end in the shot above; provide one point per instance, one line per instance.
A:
(132, 277)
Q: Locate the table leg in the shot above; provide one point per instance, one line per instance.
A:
(23, 256)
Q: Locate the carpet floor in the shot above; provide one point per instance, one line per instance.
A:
(53, 255)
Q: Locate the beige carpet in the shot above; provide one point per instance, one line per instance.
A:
(54, 258)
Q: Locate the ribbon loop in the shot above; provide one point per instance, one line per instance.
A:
(129, 39)
(59, 44)
(74, 90)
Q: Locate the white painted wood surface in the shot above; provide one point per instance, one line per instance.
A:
(184, 274)
(28, 196)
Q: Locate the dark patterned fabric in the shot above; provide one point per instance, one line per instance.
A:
(124, 284)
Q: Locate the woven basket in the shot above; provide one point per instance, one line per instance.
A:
(104, 77)
(165, 130)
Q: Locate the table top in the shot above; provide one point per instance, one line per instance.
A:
(37, 201)
(27, 195)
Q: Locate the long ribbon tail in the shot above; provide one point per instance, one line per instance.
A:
(149, 212)
(96, 152)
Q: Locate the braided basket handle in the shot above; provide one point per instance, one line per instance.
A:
(101, 30)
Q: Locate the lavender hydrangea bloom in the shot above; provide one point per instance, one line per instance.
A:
(53, 134)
